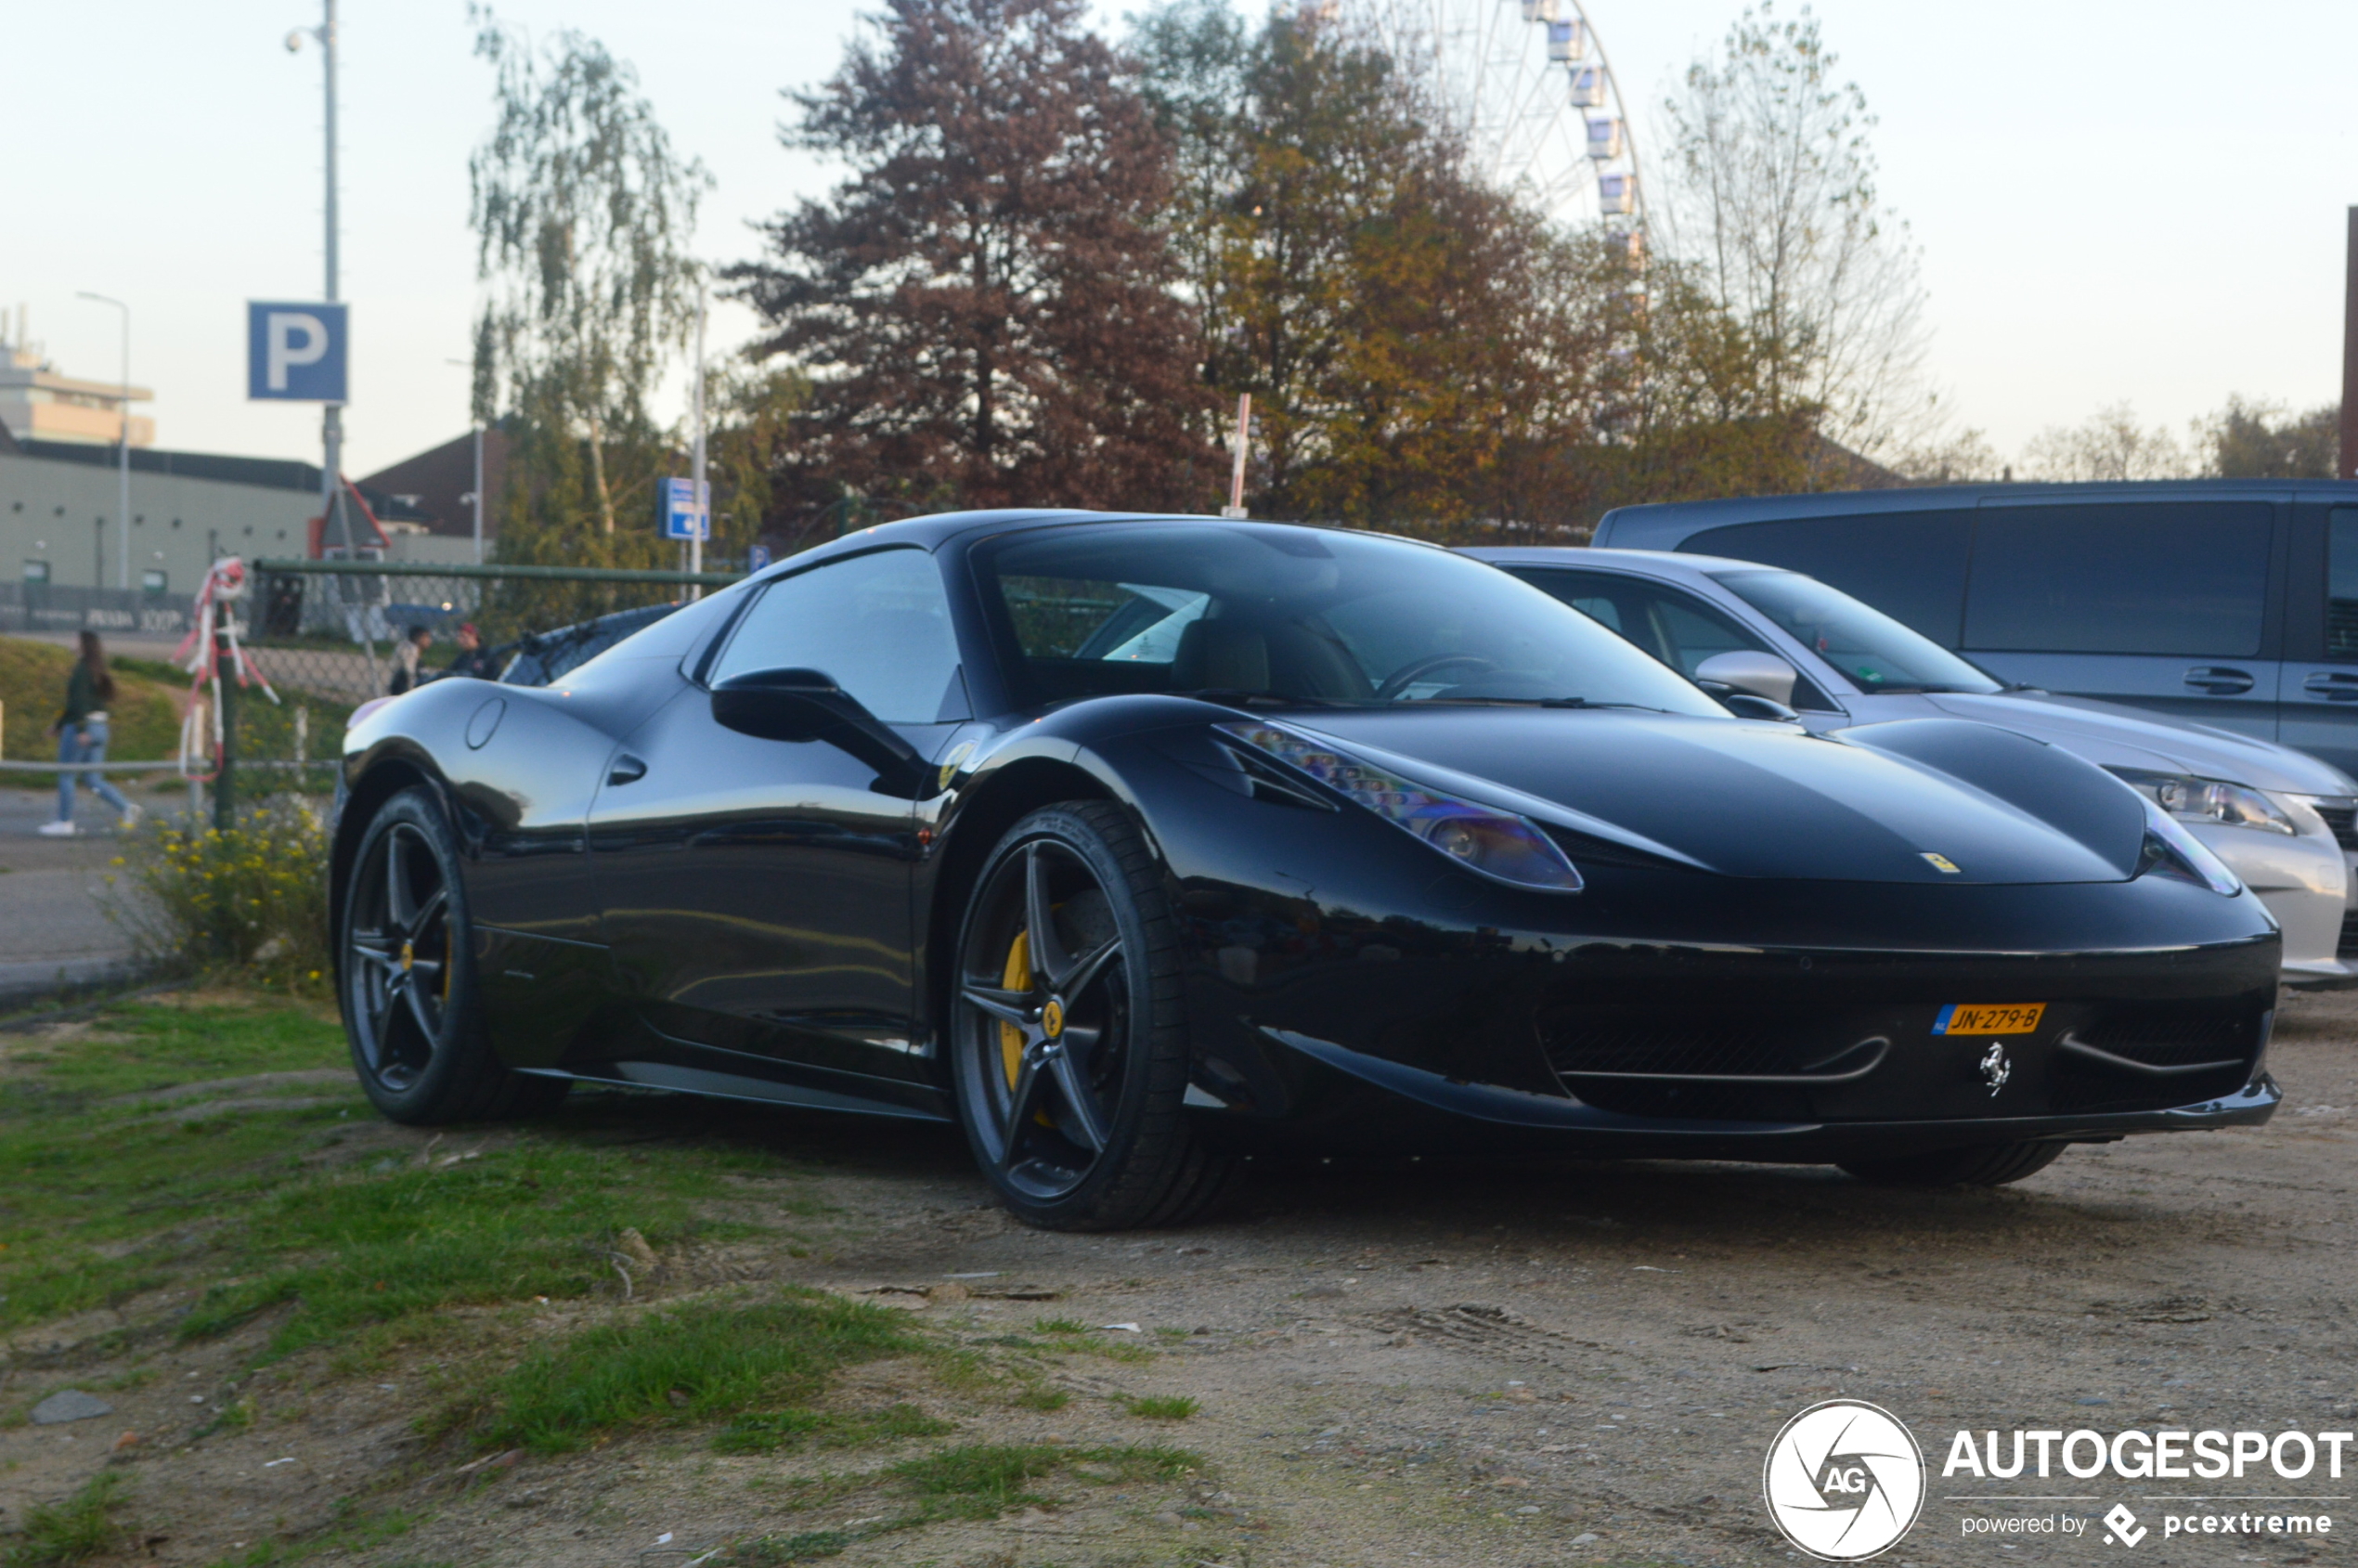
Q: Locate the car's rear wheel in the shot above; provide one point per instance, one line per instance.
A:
(405, 979)
(1982, 1165)
(1068, 1048)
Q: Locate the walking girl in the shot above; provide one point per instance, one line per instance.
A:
(82, 738)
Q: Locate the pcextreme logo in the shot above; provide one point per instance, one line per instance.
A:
(1843, 1479)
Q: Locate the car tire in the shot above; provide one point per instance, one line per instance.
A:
(1069, 1059)
(1982, 1165)
(405, 978)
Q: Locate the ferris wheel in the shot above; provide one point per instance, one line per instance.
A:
(1526, 87)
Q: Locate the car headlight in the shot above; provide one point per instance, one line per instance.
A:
(2170, 850)
(1498, 844)
(2207, 800)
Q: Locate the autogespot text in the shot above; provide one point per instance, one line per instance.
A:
(2175, 1455)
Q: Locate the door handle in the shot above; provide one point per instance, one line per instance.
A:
(625, 769)
(2219, 679)
(2334, 687)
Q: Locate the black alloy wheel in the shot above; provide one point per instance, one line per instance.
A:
(405, 979)
(1981, 1165)
(1068, 1050)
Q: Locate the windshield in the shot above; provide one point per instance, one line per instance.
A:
(1862, 641)
(1305, 616)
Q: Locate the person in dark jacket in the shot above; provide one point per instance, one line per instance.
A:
(82, 738)
(404, 660)
(472, 658)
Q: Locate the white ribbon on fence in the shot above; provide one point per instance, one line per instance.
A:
(200, 727)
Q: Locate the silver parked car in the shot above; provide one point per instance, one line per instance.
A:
(2284, 820)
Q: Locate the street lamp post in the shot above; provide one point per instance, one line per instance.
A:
(122, 447)
(332, 509)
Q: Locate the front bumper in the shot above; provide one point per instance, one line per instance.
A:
(1315, 1023)
(1487, 1116)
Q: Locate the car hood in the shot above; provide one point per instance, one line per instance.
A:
(1770, 800)
(2125, 737)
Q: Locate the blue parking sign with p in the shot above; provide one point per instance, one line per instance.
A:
(295, 352)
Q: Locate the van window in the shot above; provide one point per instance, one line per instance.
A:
(1908, 564)
(2341, 584)
(2131, 577)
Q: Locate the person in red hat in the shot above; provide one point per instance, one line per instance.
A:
(472, 657)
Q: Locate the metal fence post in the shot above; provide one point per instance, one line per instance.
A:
(224, 790)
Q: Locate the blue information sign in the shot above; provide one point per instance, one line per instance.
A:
(296, 353)
(757, 557)
(686, 515)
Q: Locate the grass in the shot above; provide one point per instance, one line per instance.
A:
(769, 1431)
(775, 1551)
(143, 720)
(983, 1480)
(192, 1163)
(260, 1208)
(1162, 1407)
(73, 1531)
(701, 1361)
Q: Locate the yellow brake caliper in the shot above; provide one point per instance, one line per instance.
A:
(1019, 977)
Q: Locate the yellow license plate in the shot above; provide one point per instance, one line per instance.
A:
(1989, 1017)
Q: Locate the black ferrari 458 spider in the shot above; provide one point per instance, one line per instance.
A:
(1132, 844)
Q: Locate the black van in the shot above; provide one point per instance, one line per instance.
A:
(2230, 601)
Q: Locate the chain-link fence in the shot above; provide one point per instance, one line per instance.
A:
(330, 635)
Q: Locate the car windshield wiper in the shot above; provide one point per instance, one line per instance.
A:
(1531, 702)
(1251, 699)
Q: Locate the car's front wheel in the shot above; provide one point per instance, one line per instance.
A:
(405, 979)
(1068, 1048)
(1982, 1165)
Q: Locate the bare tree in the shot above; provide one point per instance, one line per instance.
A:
(1772, 197)
(2111, 444)
(581, 213)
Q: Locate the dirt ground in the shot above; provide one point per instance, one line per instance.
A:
(1416, 1364)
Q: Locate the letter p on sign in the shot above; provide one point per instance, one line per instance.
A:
(295, 353)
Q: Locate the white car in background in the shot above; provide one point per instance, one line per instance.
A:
(2282, 821)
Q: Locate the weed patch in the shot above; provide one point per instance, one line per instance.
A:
(983, 1480)
(73, 1531)
(1162, 1407)
(384, 1246)
(698, 1363)
(770, 1432)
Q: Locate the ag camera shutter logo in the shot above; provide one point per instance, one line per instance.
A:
(1843, 1479)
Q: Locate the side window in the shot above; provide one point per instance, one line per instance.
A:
(1676, 627)
(1908, 564)
(2341, 585)
(879, 624)
(2178, 578)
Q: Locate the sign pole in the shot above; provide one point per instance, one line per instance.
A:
(2346, 465)
(333, 513)
(1236, 507)
(695, 540)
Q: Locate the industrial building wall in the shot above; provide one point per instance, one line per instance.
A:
(64, 513)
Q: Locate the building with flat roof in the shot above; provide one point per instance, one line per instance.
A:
(37, 403)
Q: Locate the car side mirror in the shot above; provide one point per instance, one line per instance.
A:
(782, 704)
(807, 705)
(1764, 675)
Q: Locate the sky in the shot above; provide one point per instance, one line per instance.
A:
(2115, 202)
